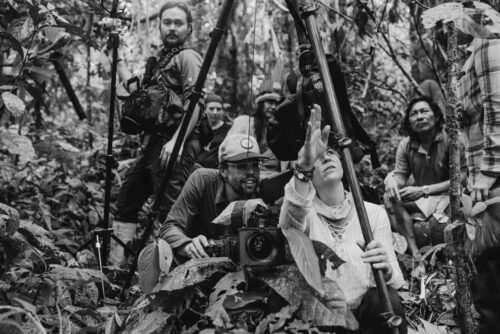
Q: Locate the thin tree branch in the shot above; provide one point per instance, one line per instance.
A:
(392, 54)
(434, 68)
(348, 18)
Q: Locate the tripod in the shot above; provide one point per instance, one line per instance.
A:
(104, 233)
(304, 15)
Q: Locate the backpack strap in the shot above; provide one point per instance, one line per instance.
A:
(300, 98)
(164, 62)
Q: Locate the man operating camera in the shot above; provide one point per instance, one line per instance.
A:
(188, 227)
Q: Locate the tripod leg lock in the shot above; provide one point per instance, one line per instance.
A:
(341, 142)
(307, 9)
(391, 320)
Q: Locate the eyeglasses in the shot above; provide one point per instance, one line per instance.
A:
(243, 167)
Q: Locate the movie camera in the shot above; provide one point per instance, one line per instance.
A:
(259, 242)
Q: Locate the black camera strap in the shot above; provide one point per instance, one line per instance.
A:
(165, 60)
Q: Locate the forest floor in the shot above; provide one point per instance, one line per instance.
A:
(52, 204)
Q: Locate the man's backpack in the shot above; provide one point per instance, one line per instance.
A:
(150, 101)
(286, 132)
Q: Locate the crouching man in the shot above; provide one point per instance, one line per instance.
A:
(188, 227)
(317, 203)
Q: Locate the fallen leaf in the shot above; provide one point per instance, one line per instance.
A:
(193, 272)
(433, 329)
(275, 321)
(230, 284)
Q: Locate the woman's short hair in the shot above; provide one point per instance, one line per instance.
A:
(177, 4)
(435, 109)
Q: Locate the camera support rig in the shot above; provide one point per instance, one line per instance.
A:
(113, 24)
(303, 12)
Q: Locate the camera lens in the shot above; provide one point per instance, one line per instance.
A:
(260, 246)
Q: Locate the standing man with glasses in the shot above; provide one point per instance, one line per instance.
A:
(188, 227)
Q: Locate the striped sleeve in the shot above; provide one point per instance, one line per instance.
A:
(487, 67)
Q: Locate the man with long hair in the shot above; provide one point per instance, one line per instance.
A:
(423, 155)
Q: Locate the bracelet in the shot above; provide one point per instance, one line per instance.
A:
(302, 174)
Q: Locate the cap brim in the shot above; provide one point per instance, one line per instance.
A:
(245, 156)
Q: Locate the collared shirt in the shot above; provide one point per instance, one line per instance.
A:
(182, 71)
(201, 200)
(427, 167)
(354, 277)
(479, 93)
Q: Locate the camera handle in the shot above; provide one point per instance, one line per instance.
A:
(195, 94)
(307, 13)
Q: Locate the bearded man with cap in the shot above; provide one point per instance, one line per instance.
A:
(215, 115)
(188, 227)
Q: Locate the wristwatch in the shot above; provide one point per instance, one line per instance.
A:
(304, 175)
(427, 191)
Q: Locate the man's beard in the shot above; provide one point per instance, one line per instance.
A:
(172, 43)
(244, 186)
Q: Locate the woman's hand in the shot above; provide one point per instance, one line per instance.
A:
(376, 255)
(316, 141)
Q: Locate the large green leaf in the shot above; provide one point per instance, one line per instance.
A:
(230, 284)
(327, 309)
(154, 261)
(18, 144)
(152, 323)
(14, 104)
(37, 236)
(305, 257)
(8, 39)
(193, 272)
(9, 220)
(22, 29)
(275, 321)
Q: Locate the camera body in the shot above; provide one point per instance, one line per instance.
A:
(258, 243)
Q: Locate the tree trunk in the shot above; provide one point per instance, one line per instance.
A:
(463, 311)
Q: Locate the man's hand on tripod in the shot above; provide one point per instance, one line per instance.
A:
(166, 152)
(196, 248)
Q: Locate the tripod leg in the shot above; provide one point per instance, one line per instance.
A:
(122, 234)
(124, 245)
(85, 245)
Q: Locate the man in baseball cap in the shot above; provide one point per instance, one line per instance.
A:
(188, 227)
(239, 163)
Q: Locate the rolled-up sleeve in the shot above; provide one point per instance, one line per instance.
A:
(189, 67)
(402, 168)
(296, 208)
(487, 67)
(182, 213)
